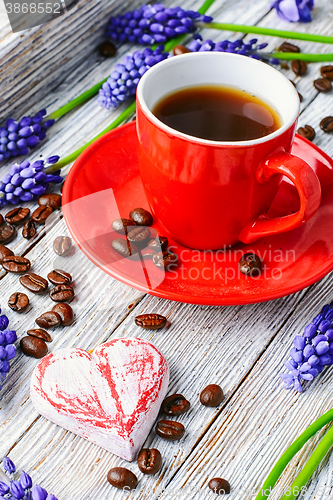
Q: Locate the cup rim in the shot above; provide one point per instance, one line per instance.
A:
(174, 60)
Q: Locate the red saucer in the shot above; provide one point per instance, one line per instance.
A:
(104, 184)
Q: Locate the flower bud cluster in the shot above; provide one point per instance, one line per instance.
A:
(7, 347)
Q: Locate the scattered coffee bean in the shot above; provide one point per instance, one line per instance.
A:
(1, 219)
(139, 236)
(16, 264)
(180, 49)
(17, 215)
(160, 243)
(175, 405)
(326, 124)
(164, 260)
(62, 293)
(18, 301)
(59, 277)
(122, 478)
(124, 247)
(121, 225)
(33, 346)
(40, 334)
(107, 49)
(212, 395)
(322, 85)
(29, 229)
(41, 214)
(327, 72)
(141, 217)
(250, 264)
(34, 283)
(65, 312)
(149, 461)
(219, 486)
(288, 47)
(307, 131)
(62, 245)
(5, 252)
(299, 67)
(170, 430)
(7, 233)
(49, 319)
(151, 321)
(284, 65)
(51, 199)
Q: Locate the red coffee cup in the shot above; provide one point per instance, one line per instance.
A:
(212, 194)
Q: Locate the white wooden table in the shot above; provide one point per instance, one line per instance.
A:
(242, 348)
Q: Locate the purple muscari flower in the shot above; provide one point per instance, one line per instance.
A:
(4, 488)
(25, 480)
(38, 493)
(125, 77)
(311, 352)
(16, 489)
(294, 10)
(7, 352)
(17, 138)
(151, 24)
(31, 181)
(8, 465)
(250, 48)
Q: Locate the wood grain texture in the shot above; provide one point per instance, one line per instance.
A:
(241, 348)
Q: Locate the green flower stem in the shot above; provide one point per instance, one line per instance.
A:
(289, 56)
(310, 466)
(121, 118)
(70, 158)
(290, 452)
(266, 31)
(75, 102)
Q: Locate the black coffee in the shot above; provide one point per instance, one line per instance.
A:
(217, 113)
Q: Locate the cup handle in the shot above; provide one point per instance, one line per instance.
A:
(309, 191)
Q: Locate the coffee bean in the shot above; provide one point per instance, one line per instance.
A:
(322, 85)
(307, 132)
(41, 214)
(219, 486)
(17, 215)
(49, 319)
(61, 293)
(284, 65)
(18, 301)
(29, 229)
(40, 334)
(33, 346)
(124, 247)
(107, 49)
(288, 47)
(65, 312)
(1, 219)
(122, 226)
(175, 405)
(164, 260)
(5, 252)
(62, 245)
(299, 67)
(170, 430)
(327, 72)
(212, 395)
(16, 264)
(7, 233)
(139, 236)
(151, 321)
(160, 243)
(122, 478)
(149, 461)
(326, 124)
(180, 49)
(34, 283)
(59, 277)
(51, 199)
(250, 264)
(141, 217)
